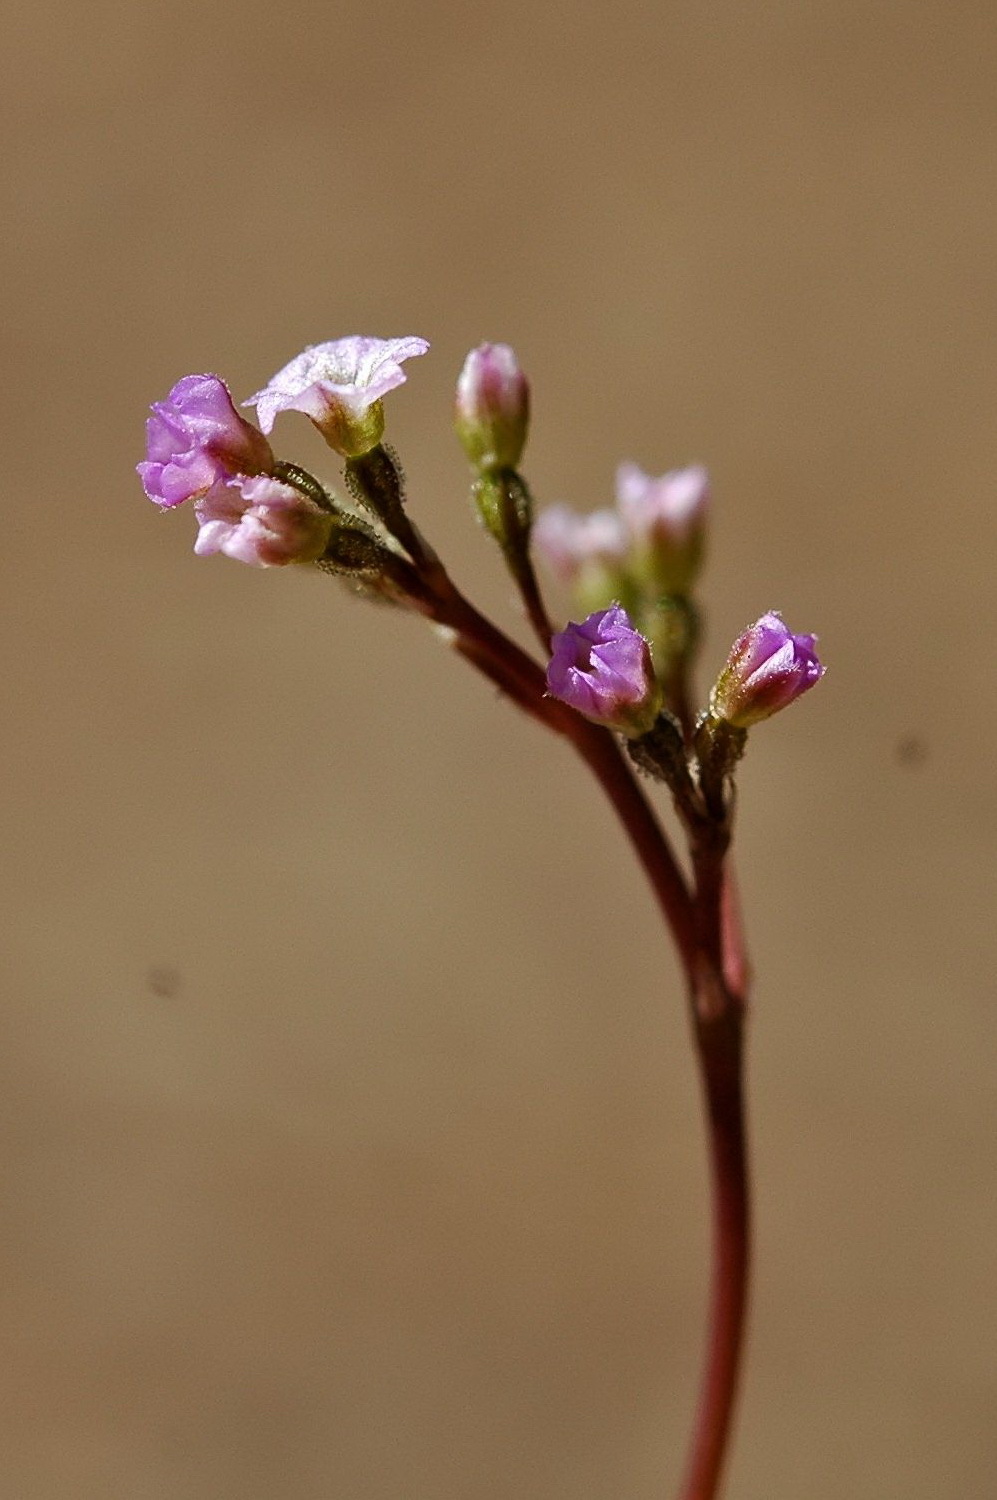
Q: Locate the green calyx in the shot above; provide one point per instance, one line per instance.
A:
(505, 506)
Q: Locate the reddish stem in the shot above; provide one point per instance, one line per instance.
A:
(529, 589)
(720, 1052)
(706, 928)
(493, 653)
(718, 997)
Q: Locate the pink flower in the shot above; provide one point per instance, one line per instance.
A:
(195, 439)
(493, 407)
(603, 669)
(569, 543)
(766, 670)
(261, 521)
(339, 386)
(667, 519)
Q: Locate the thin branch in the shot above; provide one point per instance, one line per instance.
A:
(506, 664)
(525, 576)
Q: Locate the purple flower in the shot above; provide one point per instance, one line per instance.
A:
(493, 407)
(667, 519)
(340, 386)
(767, 668)
(261, 521)
(603, 669)
(195, 439)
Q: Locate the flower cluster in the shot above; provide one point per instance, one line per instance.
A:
(603, 668)
(247, 505)
(626, 669)
(632, 567)
(201, 449)
(646, 554)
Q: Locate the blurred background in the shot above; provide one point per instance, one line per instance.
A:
(351, 1143)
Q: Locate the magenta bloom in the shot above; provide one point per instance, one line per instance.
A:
(195, 439)
(261, 521)
(767, 668)
(340, 386)
(603, 669)
(667, 519)
(493, 407)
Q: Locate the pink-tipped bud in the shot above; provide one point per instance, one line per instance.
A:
(766, 670)
(493, 407)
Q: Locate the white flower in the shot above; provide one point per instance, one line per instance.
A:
(340, 386)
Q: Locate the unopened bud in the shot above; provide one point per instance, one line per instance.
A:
(493, 407)
(261, 521)
(768, 667)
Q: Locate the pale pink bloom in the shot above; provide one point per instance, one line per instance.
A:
(339, 385)
(666, 516)
(571, 544)
(261, 521)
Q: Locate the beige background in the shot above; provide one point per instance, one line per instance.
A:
(349, 1129)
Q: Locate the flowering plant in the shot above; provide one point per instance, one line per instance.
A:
(617, 686)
